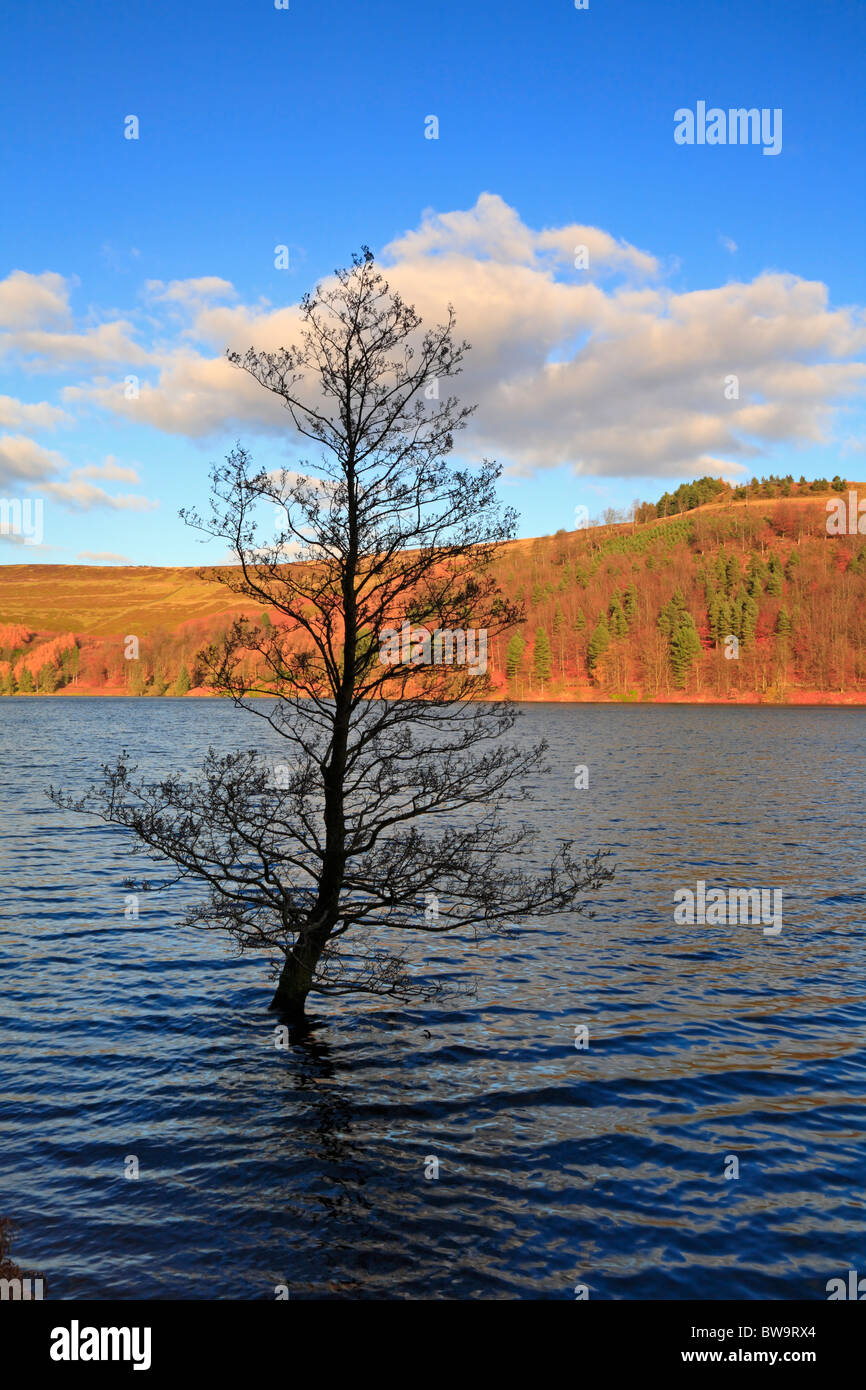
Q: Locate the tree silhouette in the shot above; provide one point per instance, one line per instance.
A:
(390, 813)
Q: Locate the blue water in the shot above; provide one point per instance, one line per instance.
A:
(305, 1166)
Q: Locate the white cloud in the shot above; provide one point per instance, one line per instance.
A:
(23, 460)
(493, 231)
(605, 369)
(41, 415)
(31, 301)
(83, 496)
(194, 291)
(24, 463)
(46, 350)
(110, 469)
(104, 557)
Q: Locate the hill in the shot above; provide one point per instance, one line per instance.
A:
(710, 594)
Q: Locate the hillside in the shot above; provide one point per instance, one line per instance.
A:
(741, 597)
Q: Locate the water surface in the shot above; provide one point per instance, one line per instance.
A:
(306, 1166)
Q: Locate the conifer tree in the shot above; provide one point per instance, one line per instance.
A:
(685, 647)
(514, 656)
(598, 643)
(732, 574)
(541, 655)
(616, 618)
(748, 620)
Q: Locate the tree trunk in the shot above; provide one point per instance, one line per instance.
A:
(291, 993)
(296, 977)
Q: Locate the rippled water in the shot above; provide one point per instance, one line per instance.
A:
(306, 1166)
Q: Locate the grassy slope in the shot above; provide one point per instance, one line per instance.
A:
(100, 600)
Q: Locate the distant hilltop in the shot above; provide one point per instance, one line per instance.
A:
(714, 593)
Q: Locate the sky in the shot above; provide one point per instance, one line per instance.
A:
(641, 311)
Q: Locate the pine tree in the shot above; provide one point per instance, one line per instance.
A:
(630, 602)
(616, 618)
(784, 626)
(514, 656)
(598, 643)
(559, 633)
(717, 612)
(541, 655)
(685, 647)
(669, 618)
(580, 620)
(182, 683)
(755, 578)
(732, 574)
(748, 620)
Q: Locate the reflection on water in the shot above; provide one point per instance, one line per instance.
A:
(306, 1165)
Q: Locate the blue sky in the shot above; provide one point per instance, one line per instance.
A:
(305, 127)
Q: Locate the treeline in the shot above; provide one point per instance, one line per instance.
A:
(166, 664)
(33, 666)
(163, 662)
(688, 496)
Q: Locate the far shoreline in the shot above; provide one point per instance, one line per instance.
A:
(811, 699)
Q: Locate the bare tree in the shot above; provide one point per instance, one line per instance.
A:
(396, 808)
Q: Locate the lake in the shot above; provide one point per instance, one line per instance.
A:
(558, 1165)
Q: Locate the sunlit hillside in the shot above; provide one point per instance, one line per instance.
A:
(746, 596)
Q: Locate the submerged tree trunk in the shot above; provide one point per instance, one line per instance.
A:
(292, 989)
(296, 977)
